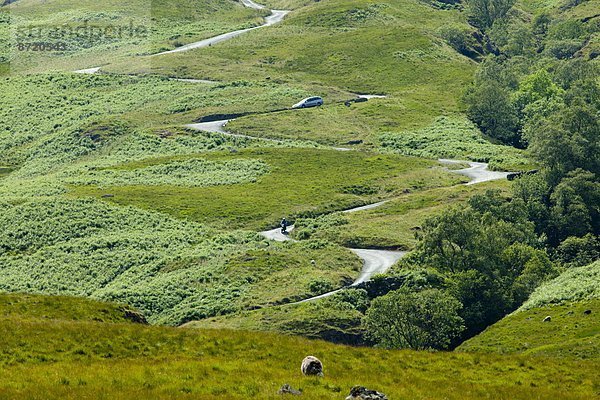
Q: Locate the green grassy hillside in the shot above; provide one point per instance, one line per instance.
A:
(572, 301)
(17, 306)
(92, 34)
(173, 271)
(571, 332)
(392, 225)
(299, 182)
(67, 359)
(575, 284)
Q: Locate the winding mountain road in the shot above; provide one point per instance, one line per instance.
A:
(374, 261)
(275, 17)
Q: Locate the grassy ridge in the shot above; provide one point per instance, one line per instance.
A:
(333, 318)
(391, 225)
(575, 284)
(572, 302)
(571, 333)
(27, 306)
(71, 359)
(454, 137)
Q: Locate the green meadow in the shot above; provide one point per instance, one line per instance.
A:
(300, 182)
(72, 355)
(572, 303)
(131, 259)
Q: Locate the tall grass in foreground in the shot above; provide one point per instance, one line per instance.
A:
(65, 359)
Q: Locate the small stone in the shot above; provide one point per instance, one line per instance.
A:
(548, 319)
(362, 393)
(587, 312)
(312, 366)
(287, 389)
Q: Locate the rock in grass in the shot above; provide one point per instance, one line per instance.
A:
(587, 312)
(287, 389)
(311, 366)
(362, 393)
(548, 319)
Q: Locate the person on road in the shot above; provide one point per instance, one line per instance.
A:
(284, 225)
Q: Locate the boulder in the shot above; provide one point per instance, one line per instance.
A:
(362, 393)
(287, 389)
(312, 366)
(134, 316)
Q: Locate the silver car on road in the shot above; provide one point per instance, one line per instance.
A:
(309, 102)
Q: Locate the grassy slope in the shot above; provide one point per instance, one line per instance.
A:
(575, 284)
(301, 181)
(44, 308)
(393, 224)
(62, 358)
(171, 270)
(570, 333)
(167, 25)
(328, 318)
(391, 49)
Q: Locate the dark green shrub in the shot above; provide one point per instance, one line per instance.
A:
(579, 251)
(415, 320)
(461, 40)
(320, 286)
(563, 49)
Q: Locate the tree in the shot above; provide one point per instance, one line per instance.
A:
(489, 253)
(482, 299)
(536, 87)
(576, 205)
(566, 140)
(417, 320)
(483, 13)
(461, 239)
(490, 107)
(577, 252)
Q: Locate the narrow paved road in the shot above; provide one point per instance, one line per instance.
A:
(219, 127)
(90, 71)
(275, 17)
(374, 261)
(478, 172)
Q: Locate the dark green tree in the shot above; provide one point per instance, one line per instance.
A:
(489, 105)
(483, 13)
(416, 320)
